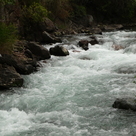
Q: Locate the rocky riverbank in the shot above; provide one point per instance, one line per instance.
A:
(26, 54)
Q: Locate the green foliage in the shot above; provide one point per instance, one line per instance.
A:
(34, 13)
(4, 2)
(7, 38)
(28, 2)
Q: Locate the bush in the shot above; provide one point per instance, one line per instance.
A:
(34, 13)
(7, 38)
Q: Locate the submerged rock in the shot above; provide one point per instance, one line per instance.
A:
(125, 103)
(83, 44)
(126, 70)
(130, 49)
(117, 47)
(59, 51)
(9, 77)
(93, 40)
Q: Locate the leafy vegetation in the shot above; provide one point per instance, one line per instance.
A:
(32, 12)
(4, 2)
(7, 38)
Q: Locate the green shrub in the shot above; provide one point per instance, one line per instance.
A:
(4, 2)
(7, 38)
(34, 13)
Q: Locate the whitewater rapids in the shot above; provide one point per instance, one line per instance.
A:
(73, 95)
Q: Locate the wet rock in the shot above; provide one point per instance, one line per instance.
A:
(131, 69)
(117, 47)
(83, 44)
(93, 41)
(76, 51)
(130, 49)
(59, 51)
(125, 103)
(38, 50)
(9, 77)
(20, 63)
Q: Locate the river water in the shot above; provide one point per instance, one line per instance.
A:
(73, 95)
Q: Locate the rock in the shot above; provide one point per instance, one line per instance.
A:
(9, 77)
(47, 25)
(96, 31)
(93, 41)
(38, 31)
(20, 63)
(76, 51)
(38, 50)
(84, 44)
(117, 47)
(28, 53)
(125, 103)
(85, 21)
(47, 38)
(59, 51)
(113, 27)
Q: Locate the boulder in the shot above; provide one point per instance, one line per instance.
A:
(20, 63)
(83, 44)
(93, 40)
(47, 25)
(28, 53)
(47, 38)
(125, 103)
(38, 50)
(38, 31)
(59, 51)
(9, 77)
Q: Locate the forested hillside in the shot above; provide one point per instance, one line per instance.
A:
(19, 18)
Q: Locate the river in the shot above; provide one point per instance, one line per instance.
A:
(73, 95)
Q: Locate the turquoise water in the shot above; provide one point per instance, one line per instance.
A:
(73, 95)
